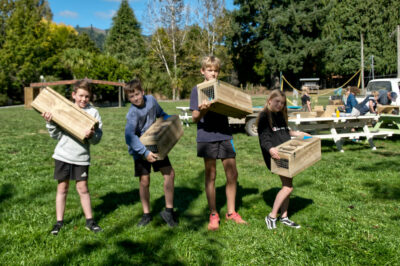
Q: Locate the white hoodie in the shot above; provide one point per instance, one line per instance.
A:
(69, 149)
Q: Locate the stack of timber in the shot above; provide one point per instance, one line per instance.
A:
(162, 136)
(224, 98)
(65, 113)
(296, 155)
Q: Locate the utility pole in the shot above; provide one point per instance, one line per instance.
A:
(398, 51)
(362, 62)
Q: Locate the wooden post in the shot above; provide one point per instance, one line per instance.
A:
(119, 96)
(362, 62)
(398, 51)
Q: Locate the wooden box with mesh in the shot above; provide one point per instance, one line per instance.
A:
(162, 136)
(225, 99)
(65, 113)
(296, 155)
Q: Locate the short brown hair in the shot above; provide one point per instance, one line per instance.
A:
(211, 61)
(83, 84)
(133, 85)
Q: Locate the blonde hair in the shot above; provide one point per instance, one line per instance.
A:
(211, 61)
(267, 110)
(305, 90)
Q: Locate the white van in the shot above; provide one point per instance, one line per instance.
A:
(391, 84)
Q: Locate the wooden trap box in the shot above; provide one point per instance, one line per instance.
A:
(387, 109)
(65, 113)
(225, 99)
(162, 136)
(296, 155)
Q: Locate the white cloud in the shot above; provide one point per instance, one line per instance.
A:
(68, 14)
(105, 15)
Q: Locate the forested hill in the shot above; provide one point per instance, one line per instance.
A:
(98, 36)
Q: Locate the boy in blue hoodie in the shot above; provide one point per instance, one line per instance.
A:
(141, 115)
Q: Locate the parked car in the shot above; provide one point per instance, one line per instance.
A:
(390, 84)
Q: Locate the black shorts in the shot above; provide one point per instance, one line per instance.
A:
(66, 171)
(143, 167)
(216, 150)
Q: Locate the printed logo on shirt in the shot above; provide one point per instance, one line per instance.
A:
(84, 174)
(278, 128)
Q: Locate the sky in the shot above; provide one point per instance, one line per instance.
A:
(99, 13)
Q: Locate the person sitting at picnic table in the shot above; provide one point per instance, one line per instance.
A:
(351, 101)
(367, 105)
(386, 97)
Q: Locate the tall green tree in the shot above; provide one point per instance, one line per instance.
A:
(6, 8)
(376, 20)
(124, 40)
(277, 35)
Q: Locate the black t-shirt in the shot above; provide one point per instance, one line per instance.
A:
(305, 99)
(271, 137)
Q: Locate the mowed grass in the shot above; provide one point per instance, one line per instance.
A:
(347, 204)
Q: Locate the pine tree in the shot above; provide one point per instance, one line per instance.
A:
(124, 40)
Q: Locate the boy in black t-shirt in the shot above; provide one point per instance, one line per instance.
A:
(214, 141)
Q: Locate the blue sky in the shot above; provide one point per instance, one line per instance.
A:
(98, 13)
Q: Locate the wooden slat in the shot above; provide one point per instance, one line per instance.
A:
(65, 113)
(68, 82)
(162, 136)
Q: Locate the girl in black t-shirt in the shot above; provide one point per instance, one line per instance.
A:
(273, 130)
(305, 100)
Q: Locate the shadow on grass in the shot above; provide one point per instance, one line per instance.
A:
(384, 190)
(6, 192)
(240, 193)
(393, 165)
(83, 249)
(157, 251)
(112, 200)
(296, 203)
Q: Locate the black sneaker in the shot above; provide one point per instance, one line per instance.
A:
(169, 218)
(56, 229)
(92, 226)
(271, 222)
(286, 221)
(146, 219)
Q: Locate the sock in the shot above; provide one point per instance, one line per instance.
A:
(89, 221)
(60, 222)
(170, 210)
(146, 214)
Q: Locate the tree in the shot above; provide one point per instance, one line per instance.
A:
(376, 21)
(167, 20)
(124, 40)
(274, 35)
(6, 7)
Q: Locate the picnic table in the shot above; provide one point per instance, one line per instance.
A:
(184, 116)
(339, 128)
(390, 123)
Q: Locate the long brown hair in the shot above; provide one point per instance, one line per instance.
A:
(274, 94)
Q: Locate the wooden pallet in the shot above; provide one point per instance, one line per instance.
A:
(162, 136)
(65, 113)
(296, 155)
(225, 99)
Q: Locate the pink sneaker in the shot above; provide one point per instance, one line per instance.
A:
(214, 222)
(236, 218)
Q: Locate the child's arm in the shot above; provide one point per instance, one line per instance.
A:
(159, 111)
(54, 131)
(298, 133)
(132, 140)
(94, 136)
(265, 135)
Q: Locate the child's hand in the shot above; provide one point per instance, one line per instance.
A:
(274, 153)
(204, 105)
(89, 133)
(47, 116)
(151, 157)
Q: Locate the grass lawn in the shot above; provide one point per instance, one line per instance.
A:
(347, 204)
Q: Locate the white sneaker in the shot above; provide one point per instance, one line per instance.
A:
(271, 222)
